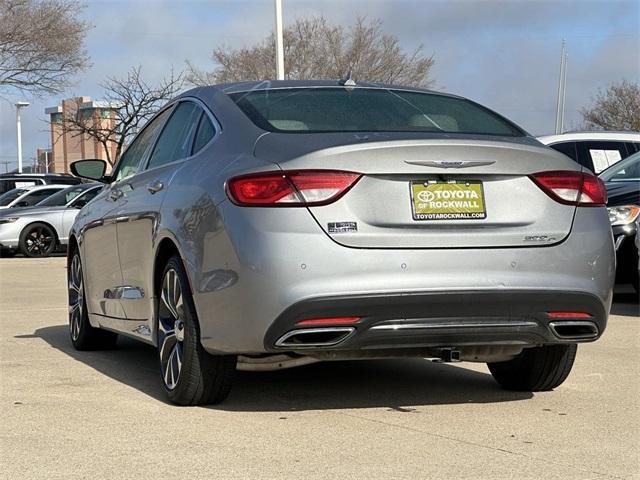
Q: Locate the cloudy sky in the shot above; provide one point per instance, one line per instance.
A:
(504, 54)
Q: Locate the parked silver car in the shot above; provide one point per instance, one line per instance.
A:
(286, 222)
(37, 231)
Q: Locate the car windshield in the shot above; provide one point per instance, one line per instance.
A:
(8, 197)
(625, 171)
(360, 109)
(63, 197)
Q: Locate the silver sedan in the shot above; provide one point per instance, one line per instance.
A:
(37, 231)
(272, 224)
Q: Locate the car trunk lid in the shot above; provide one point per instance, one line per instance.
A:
(484, 196)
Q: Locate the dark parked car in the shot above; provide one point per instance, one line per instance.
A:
(9, 181)
(623, 189)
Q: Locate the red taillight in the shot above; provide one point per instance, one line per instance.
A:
(572, 188)
(327, 321)
(569, 314)
(290, 189)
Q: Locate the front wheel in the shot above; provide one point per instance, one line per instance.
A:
(191, 376)
(37, 240)
(536, 369)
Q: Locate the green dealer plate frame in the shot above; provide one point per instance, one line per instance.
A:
(451, 200)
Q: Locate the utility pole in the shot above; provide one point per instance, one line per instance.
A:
(19, 105)
(279, 42)
(562, 85)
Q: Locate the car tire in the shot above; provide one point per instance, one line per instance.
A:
(83, 335)
(37, 240)
(536, 369)
(190, 375)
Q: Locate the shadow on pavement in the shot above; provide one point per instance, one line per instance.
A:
(626, 301)
(394, 384)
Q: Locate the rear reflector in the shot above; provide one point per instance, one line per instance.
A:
(290, 189)
(572, 188)
(327, 321)
(569, 314)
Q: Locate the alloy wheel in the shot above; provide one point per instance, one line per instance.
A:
(171, 326)
(76, 297)
(39, 241)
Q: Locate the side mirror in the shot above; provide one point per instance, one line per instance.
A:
(23, 203)
(91, 169)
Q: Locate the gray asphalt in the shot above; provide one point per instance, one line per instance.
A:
(99, 415)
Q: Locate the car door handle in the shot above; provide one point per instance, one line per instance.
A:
(115, 194)
(155, 187)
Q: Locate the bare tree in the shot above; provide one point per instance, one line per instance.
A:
(132, 101)
(41, 45)
(314, 49)
(615, 108)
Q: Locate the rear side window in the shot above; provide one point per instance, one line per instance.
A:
(600, 155)
(568, 148)
(360, 109)
(205, 133)
(176, 137)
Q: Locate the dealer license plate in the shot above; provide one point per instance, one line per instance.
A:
(453, 200)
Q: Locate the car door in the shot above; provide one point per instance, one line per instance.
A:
(71, 211)
(138, 215)
(100, 240)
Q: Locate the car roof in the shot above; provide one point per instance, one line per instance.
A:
(34, 175)
(236, 87)
(595, 136)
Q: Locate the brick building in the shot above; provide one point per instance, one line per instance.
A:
(67, 147)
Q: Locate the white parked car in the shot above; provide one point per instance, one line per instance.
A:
(28, 196)
(37, 231)
(595, 150)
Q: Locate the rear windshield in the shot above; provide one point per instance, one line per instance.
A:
(329, 109)
(10, 196)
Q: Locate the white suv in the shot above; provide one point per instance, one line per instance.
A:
(595, 150)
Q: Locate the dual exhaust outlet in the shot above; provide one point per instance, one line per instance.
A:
(330, 336)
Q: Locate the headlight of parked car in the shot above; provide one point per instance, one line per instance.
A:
(623, 215)
(8, 220)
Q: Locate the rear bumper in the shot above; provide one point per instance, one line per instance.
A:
(254, 278)
(442, 319)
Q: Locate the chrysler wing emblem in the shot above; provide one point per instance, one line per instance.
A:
(448, 163)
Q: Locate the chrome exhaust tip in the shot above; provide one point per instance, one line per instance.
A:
(574, 329)
(314, 337)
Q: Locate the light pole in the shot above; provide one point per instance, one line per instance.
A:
(562, 85)
(279, 42)
(19, 105)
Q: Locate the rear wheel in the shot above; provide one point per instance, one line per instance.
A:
(37, 240)
(83, 335)
(536, 369)
(191, 376)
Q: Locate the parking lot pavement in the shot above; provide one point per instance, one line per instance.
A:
(96, 415)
